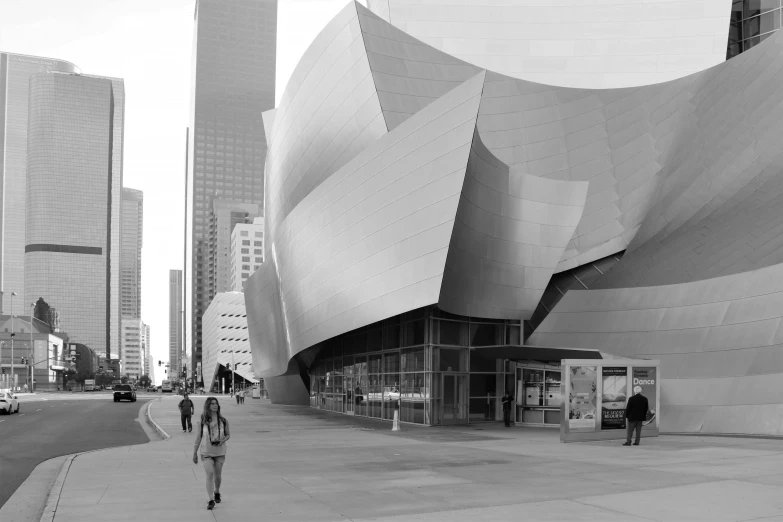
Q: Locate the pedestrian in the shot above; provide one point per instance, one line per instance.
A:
(635, 415)
(213, 433)
(242, 398)
(237, 395)
(186, 411)
(507, 400)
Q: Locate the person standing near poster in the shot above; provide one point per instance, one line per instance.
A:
(635, 415)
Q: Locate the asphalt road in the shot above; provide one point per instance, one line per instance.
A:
(45, 429)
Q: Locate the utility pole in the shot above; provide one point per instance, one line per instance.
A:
(233, 371)
(13, 380)
(32, 349)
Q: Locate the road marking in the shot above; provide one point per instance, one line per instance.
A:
(39, 409)
(2, 420)
(21, 414)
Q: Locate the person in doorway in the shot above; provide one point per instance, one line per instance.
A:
(635, 414)
(213, 433)
(507, 400)
(186, 411)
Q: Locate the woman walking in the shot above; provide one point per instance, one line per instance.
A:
(211, 444)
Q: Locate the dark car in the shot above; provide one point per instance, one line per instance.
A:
(124, 392)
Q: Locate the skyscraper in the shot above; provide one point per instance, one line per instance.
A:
(130, 260)
(132, 347)
(149, 367)
(247, 252)
(234, 50)
(73, 194)
(175, 320)
(15, 73)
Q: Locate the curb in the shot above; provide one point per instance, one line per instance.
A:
(54, 495)
(50, 509)
(155, 425)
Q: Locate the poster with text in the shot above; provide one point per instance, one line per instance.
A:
(645, 377)
(582, 405)
(613, 398)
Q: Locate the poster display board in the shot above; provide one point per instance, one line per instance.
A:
(613, 397)
(596, 392)
(645, 378)
(582, 397)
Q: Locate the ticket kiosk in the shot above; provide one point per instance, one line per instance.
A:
(595, 394)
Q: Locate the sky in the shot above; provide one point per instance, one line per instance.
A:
(148, 43)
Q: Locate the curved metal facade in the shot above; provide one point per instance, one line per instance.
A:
(719, 342)
(572, 43)
(401, 177)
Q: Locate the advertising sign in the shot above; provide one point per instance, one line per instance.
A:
(582, 397)
(645, 377)
(615, 393)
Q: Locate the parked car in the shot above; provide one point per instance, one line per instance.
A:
(124, 392)
(8, 402)
(151, 389)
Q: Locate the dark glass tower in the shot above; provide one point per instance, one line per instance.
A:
(752, 21)
(233, 82)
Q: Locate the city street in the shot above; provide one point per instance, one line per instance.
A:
(48, 426)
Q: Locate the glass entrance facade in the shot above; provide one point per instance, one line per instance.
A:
(419, 362)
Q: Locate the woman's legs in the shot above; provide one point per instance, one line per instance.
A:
(218, 472)
(209, 468)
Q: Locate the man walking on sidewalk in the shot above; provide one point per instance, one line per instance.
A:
(186, 410)
(635, 415)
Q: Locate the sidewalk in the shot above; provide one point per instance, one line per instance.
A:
(297, 464)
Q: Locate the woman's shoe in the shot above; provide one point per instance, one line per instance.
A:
(217, 498)
(211, 504)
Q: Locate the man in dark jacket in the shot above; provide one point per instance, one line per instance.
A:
(507, 400)
(635, 415)
(186, 410)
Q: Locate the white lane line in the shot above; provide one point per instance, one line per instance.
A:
(21, 414)
(2, 420)
(39, 409)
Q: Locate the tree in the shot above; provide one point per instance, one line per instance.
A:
(125, 378)
(144, 381)
(104, 379)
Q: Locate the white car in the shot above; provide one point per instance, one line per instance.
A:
(8, 402)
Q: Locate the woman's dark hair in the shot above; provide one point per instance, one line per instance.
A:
(206, 416)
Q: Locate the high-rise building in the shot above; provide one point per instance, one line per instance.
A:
(247, 252)
(234, 51)
(73, 198)
(226, 216)
(149, 367)
(133, 347)
(130, 259)
(175, 319)
(15, 73)
(752, 22)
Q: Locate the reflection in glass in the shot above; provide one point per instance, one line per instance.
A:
(413, 360)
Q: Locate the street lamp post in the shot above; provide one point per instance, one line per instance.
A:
(32, 349)
(13, 294)
(2, 344)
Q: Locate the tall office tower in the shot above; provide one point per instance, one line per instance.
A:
(234, 49)
(149, 364)
(130, 260)
(132, 347)
(247, 252)
(226, 215)
(175, 320)
(74, 182)
(752, 22)
(15, 73)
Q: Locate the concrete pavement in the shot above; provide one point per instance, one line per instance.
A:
(295, 464)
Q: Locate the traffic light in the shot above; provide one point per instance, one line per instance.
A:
(3, 371)
(160, 362)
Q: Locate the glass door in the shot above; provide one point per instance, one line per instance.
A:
(454, 395)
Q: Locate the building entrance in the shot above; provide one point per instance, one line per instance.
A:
(455, 398)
